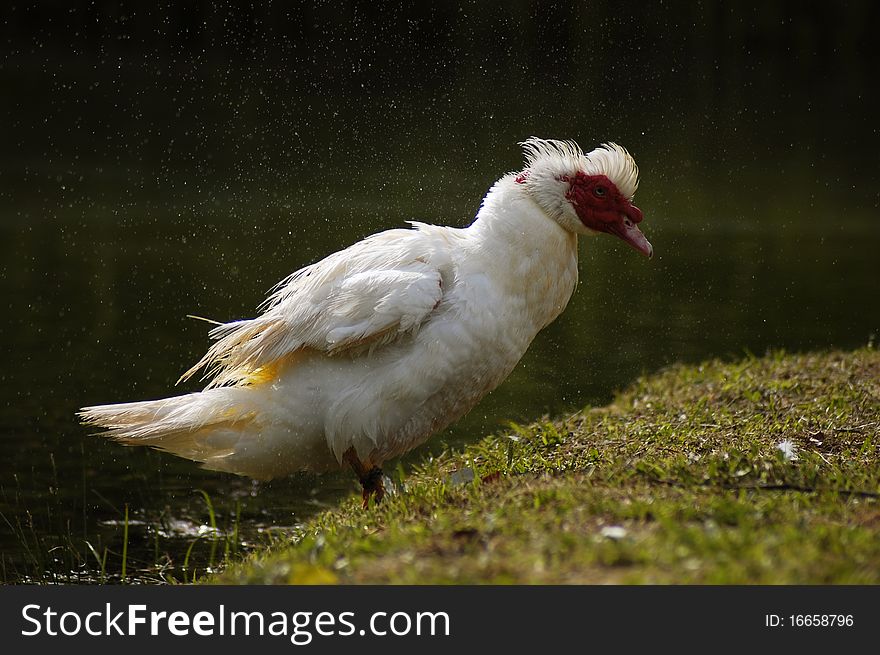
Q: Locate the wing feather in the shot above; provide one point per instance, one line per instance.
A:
(371, 293)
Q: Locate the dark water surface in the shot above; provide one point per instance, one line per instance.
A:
(138, 187)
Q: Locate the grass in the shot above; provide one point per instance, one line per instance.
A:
(681, 479)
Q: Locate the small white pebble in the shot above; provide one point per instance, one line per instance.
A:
(613, 532)
(462, 476)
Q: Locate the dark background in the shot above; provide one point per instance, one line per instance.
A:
(276, 96)
(182, 158)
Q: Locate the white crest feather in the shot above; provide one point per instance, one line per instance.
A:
(554, 157)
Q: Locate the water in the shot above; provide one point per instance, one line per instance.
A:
(138, 188)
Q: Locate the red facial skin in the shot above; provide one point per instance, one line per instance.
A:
(601, 207)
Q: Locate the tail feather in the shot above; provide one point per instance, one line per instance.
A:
(242, 349)
(202, 426)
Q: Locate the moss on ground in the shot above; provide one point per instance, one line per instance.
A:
(680, 480)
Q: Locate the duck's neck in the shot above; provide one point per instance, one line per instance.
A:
(525, 250)
(510, 213)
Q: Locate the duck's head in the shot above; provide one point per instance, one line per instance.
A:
(586, 193)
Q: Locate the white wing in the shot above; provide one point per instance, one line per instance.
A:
(371, 293)
(369, 304)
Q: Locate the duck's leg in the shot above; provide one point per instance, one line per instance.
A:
(373, 484)
(371, 478)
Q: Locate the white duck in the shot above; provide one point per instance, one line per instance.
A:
(364, 355)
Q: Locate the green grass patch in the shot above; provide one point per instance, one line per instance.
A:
(765, 470)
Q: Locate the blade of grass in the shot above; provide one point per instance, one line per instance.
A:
(125, 544)
(226, 537)
(211, 517)
(186, 559)
(213, 522)
(102, 561)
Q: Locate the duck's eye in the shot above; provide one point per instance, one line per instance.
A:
(600, 191)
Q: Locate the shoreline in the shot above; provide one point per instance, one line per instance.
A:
(764, 470)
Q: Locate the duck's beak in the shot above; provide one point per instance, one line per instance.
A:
(627, 230)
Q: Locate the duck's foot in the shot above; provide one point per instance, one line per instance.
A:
(372, 480)
(374, 485)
